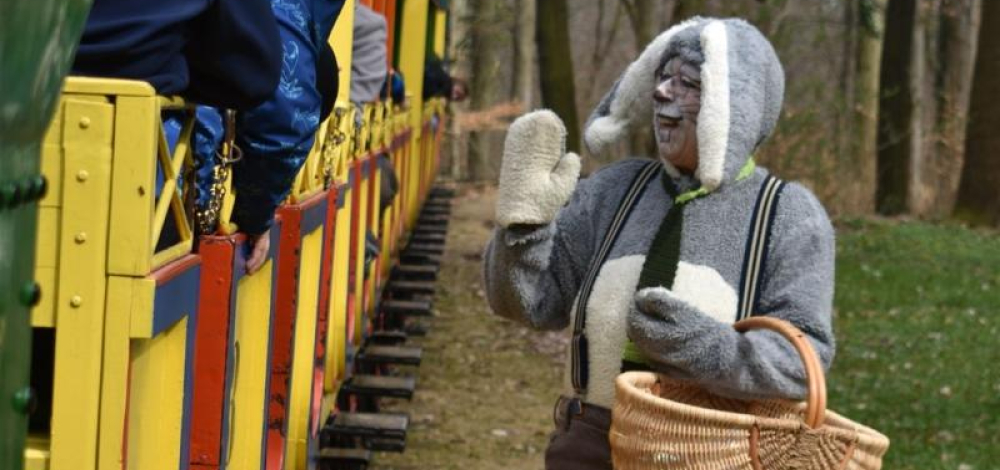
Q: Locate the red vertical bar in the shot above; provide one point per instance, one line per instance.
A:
(352, 302)
(323, 316)
(211, 351)
(290, 241)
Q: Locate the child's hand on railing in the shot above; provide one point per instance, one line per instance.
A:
(261, 247)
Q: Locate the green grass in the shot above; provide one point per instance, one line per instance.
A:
(918, 332)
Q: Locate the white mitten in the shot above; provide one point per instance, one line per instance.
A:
(537, 176)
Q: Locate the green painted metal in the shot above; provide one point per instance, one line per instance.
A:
(37, 41)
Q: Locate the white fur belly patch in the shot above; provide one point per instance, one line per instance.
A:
(705, 289)
(607, 312)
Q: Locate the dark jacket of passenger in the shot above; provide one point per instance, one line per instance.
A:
(224, 53)
(437, 82)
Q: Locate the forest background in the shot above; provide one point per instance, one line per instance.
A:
(890, 105)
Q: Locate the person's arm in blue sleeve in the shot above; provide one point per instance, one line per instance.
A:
(234, 54)
(276, 136)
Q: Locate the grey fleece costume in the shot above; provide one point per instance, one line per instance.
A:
(684, 330)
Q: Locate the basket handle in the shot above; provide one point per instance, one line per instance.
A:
(816, 401)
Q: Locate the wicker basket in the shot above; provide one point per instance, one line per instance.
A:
(661, 424)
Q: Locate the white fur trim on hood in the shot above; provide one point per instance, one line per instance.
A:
(629, 100)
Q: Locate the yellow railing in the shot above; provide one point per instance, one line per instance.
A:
(99, 228)
(108, 241)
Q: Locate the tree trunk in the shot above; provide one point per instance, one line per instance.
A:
(524, 54)
(870, 22)
(555, 63)
(978, 195)
(898, 118)
(684, 9)
(457, 140)
(642, 15)
(937, 182)
(485, 68)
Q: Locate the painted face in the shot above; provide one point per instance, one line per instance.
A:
(677, 101)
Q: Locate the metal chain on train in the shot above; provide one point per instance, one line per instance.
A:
(334, 138)
(208, 217)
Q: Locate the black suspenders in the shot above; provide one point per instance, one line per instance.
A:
(755, 253)
(580, 372)
(754, 261)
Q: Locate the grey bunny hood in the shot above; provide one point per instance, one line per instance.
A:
(742, 91)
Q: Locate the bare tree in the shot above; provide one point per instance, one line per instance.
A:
(898, 127)
(868, 22)
(978, 194)
(555, 63)
(603, 40)
(459, 51)
(485, 67)
(684, 9)
(948, 86)
(523, 89)
(642, 15)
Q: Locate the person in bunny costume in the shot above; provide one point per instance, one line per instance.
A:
(669, 285)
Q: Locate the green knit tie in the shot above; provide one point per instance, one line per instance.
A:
(664, 254)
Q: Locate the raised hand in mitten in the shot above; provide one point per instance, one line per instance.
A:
(537, 176)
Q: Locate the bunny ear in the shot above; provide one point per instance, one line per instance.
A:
(713, 119)
(627, 105)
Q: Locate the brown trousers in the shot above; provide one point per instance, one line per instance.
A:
(580, 441)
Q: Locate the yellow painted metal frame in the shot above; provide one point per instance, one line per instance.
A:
(99, 225)
(300, 396)
(440, 31)
(337, 315)
(412, 45)
(80, 144)
(248, 400)
(156, 400)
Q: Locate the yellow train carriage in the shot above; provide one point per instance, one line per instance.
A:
(167, 356)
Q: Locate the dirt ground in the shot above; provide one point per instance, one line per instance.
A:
(486, 386)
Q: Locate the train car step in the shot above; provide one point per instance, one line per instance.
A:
(420, 258)
(438, 203)
(347, 427)
(413, 272)
(375, 355)
(378, 386)
(439, 191)
(429, 237)
(435, 210)
(439, 220)
(410, 308)
(429, 248)
(387, 337)
(411, 287)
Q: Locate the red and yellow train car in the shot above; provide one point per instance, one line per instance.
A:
(166, 355)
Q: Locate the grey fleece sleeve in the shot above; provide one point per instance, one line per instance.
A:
(797, 287)
(532, 274)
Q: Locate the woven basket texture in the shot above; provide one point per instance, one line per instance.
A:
(658, 423)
